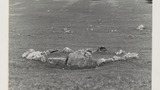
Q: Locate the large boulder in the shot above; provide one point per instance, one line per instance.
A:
(81, 58)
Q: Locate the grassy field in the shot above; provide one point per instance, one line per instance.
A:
(39, 24)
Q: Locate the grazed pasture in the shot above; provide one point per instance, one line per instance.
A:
(39, 24)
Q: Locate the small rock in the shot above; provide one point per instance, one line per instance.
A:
(141, 27)
(47, 52)
(67, 50)
(117, 58)
(103, 60)
(131, 56)
(25, 54)
(102, 49)
(120, 52)
(113, 30)
(68, 31)
(109, 59)
(65, 29)
(91, 50)
(48, 10)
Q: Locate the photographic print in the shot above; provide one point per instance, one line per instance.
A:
(80, 44)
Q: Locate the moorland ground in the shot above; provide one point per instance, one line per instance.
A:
(38, 24)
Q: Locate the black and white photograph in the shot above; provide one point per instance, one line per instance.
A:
(80, 45)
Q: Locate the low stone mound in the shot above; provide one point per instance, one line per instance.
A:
(81, 58)
(127, 56)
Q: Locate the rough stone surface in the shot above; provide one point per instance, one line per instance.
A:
(120, 52)
(131, 56)
(67, 50)
(141, 27)
(31, 54)
(25, 54)
(116, 58)
(37, 55)
(81, 58)
(57, 61)
(101, 60)
(110, 59)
